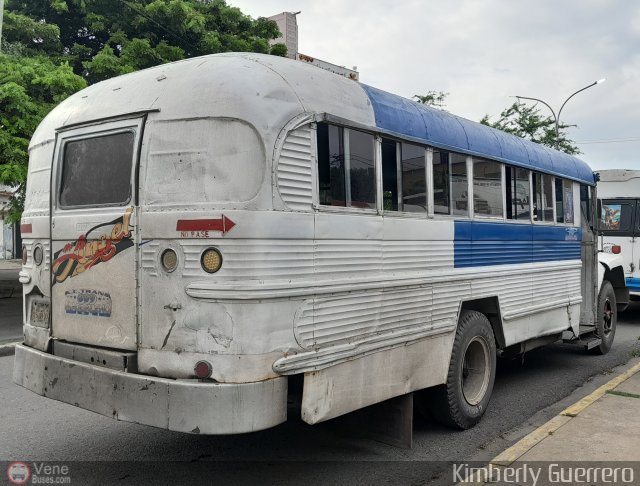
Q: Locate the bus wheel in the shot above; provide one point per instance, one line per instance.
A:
(606, 319)
(462, 401)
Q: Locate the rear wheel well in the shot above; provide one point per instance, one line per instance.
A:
(490, 307)
(615, 275)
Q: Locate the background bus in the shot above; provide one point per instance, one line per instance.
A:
(619, 194)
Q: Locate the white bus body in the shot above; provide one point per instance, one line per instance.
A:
(198, 232)
(619, 194)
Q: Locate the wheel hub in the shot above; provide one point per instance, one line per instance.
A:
(476, 370)
(607, 316)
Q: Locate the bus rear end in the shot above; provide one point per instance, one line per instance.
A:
(108, 324)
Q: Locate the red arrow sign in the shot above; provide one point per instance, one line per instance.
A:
(223, 224)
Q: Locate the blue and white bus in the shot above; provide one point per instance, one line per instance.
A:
(200, 233)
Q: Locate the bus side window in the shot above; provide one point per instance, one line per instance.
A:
(567, 193)
(487, 187)
(459, 187)
(441, 173)
(362, 175)
(389, 175)
(559, 201)
(331, 165)
(518, 197)
(346, 169)
(585, 204)
(543, 201)
(404, 177)
(414, 178)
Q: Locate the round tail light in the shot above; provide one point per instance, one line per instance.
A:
(38, 254)
(211, 260)
(616, 249)
(203, 369)
(169, 260)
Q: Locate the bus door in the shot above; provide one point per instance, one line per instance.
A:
(618, 222)
(94, 267)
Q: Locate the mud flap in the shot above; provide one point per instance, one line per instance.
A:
(391, 422)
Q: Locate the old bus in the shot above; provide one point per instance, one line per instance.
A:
(619, 219)
(198, 233)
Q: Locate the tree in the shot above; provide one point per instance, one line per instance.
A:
(526, 122)
(29, 88)
(105, 38)
(56, 47)
(432, 98)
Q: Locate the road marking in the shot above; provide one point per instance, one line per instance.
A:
(578, 407)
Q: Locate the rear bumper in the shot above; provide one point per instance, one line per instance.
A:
(181, 405)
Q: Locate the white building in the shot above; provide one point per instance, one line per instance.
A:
(288, 26)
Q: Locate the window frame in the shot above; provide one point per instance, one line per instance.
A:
(530, 183)
(399, 180)
(552, 222)
(635, 214)
(493, 217)
(377, 166)
(574, 213)
(84, 132)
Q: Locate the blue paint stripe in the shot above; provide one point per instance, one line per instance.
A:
(485, 243)
(633, 284)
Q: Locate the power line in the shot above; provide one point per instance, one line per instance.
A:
(610, 140)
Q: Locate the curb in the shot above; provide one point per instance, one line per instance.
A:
(8, 349)
(524, 445)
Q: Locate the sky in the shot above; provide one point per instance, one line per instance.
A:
(483, 52)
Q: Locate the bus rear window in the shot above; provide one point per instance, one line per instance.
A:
(97, 171)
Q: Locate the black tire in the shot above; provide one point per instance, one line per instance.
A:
(463, 399)
(607, 318)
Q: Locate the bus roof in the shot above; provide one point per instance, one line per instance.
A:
(268, 91)
(443, 130)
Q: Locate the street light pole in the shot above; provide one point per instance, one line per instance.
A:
(557, 117)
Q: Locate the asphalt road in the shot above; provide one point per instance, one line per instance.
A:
(526, 394)
(11, 318)
(10, 304)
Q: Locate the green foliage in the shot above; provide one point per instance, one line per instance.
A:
(104, 38)
(29, 88)
(36, 37)
(432, 98)
(53, 48)
(526, 122)
(278, 50)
